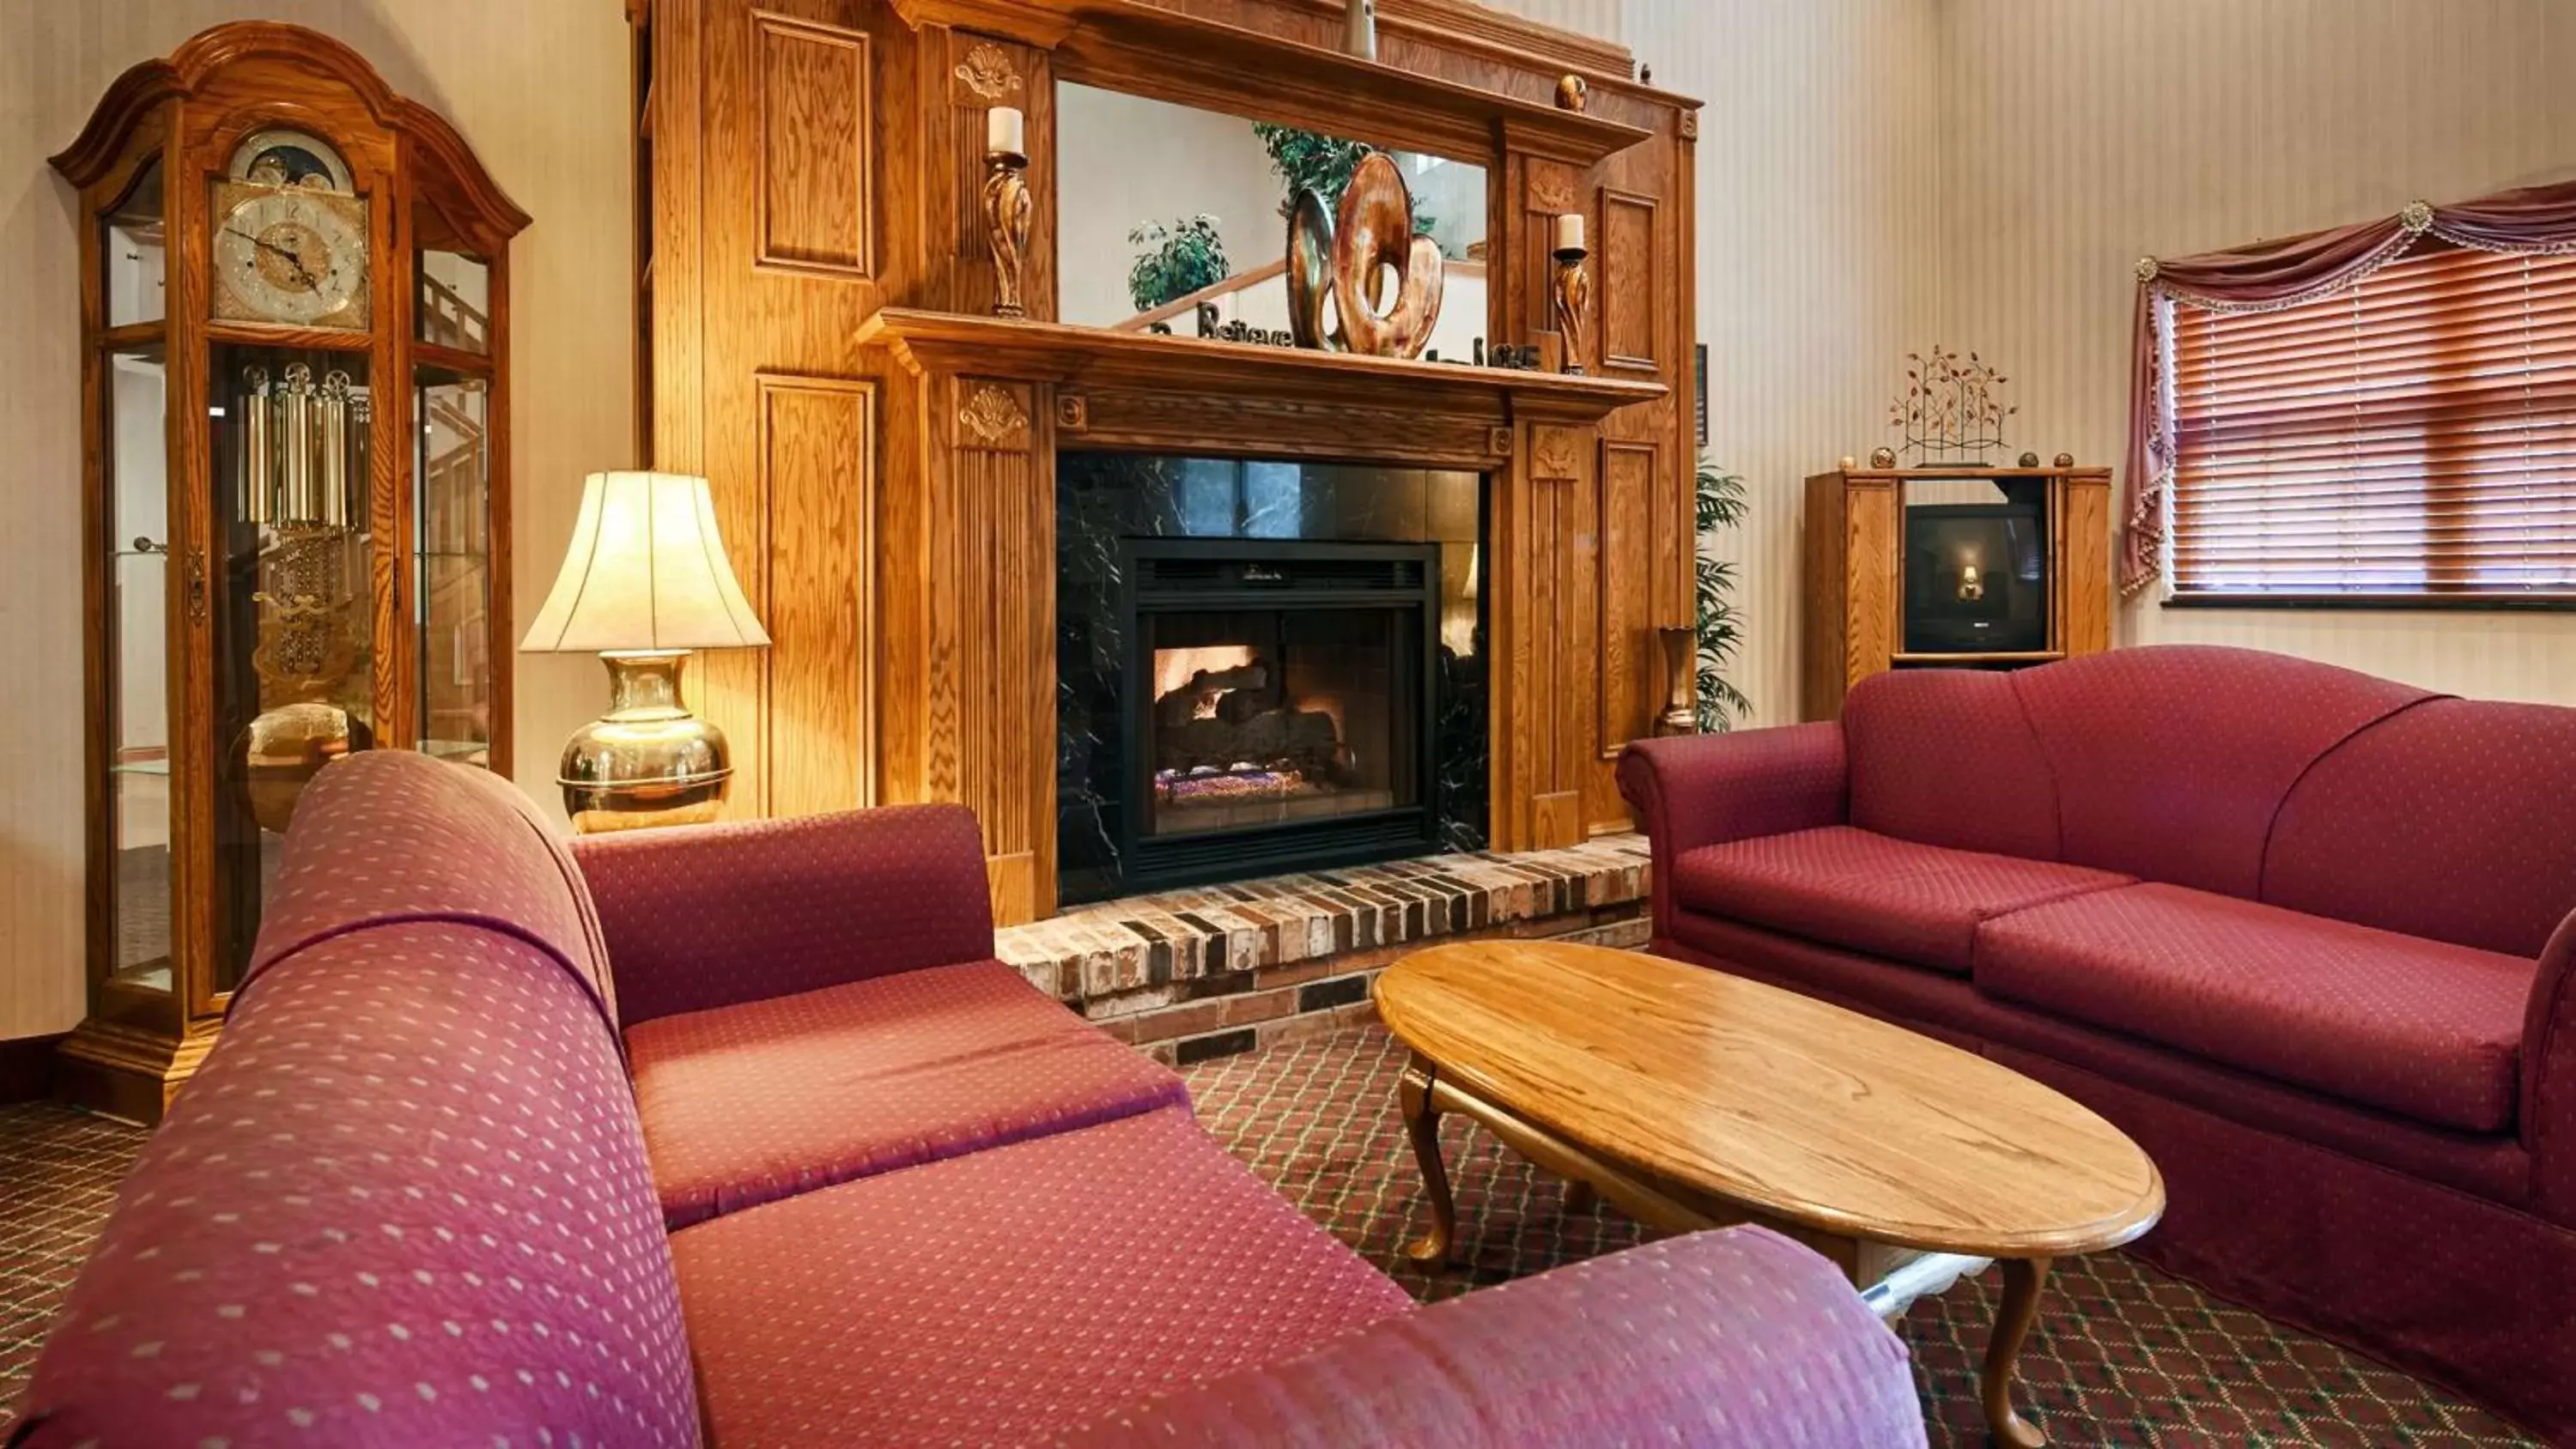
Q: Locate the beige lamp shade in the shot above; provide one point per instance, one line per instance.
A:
(646, 570)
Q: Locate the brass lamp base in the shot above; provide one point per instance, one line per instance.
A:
(648, 761)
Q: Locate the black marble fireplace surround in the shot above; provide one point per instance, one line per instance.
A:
(1263, 667)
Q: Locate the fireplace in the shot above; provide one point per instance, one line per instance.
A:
(1264, 667)
(1280, 695)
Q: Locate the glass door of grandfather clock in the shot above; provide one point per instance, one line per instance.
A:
(295, 380)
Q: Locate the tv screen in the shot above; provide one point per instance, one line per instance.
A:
(1976, 578)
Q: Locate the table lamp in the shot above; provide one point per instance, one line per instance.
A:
(644, 583)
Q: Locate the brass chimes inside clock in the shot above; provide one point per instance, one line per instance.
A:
(300, 448)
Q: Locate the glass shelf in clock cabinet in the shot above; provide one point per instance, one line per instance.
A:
(293, 489)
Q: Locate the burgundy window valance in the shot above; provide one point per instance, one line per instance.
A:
(2270, 275)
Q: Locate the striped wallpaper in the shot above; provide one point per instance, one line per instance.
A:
(1876, 175)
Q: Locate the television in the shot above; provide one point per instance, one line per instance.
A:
(1976, 566)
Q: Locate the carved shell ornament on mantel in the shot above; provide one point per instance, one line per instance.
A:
(987, 72)
(993, 417)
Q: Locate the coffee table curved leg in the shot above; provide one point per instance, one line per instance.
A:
(2023, 1280)
(1422, 1124)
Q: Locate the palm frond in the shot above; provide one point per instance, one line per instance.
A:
(1719, 502)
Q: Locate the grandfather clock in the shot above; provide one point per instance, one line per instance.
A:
(294, 366)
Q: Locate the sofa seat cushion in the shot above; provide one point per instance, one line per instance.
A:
(1919, 904)
(1005, 1296)
(760, 1100)
(2421, 1028)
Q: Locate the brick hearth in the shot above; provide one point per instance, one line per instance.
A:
(1195, 974)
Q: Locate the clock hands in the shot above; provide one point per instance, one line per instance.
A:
(303, 273)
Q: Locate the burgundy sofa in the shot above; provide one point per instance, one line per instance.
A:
(841, 1179)
(2302, 933)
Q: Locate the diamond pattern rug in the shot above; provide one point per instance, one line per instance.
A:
(2122, 1354)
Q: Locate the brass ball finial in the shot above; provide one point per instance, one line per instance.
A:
(1882, 457)
(1850, 462)
(1573, 93)
(2030, 460)
(2066, 460)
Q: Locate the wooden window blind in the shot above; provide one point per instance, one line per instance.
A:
(2411, 439)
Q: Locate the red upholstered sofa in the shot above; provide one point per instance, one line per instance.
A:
(2303, 933)
(841, 1179)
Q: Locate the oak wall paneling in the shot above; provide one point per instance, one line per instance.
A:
(806, 303)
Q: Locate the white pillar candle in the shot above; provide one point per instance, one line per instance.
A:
(1569, 231)
(1005, 132)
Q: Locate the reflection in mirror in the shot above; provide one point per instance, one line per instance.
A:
(1164, 209)
(455, 301)
(132, 251)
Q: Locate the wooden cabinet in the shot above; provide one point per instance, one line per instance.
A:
(1951, 567)
(294, 359)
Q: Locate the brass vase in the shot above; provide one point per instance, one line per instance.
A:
(648, 761)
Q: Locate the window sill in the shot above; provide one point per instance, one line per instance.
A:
(2380, 603)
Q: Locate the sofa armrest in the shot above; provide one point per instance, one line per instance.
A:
(2549, 1076)
(1737, 1339)
(715, 915)
(1696, 790)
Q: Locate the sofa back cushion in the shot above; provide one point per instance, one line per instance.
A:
(722, 914)
(2171, 761)
(1946, 757)
(390, 835)
(404, 1201)
(2454, 820)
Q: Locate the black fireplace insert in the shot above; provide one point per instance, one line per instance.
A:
(1280, 697)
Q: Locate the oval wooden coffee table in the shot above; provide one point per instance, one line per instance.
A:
(1693, 1099)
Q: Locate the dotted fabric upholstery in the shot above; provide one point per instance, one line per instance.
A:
(1947, 757)
(1695, 790)
(404, 1202)
(713, 916)
(1919, 904)
(1642, 1347)
(2549, 1076)
(2171, 761)
(745, 1104)
(2455, 819)
(998, 1297)
(1951, 1009)
(2423, 1028)
(390, 835)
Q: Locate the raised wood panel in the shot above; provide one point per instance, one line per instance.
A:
(813, 87)
(993, 660)
(1552, 666)
(1629, 690)
(2084, 572)
(1629, 283)
(1870, 612)
(818, 478)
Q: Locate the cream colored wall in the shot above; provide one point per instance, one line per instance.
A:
(2083, 134)
(1818, 228)
(540, 90)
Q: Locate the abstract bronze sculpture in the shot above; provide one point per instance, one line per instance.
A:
(1351, 260)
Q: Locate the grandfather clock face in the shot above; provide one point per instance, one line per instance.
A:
(290, 244)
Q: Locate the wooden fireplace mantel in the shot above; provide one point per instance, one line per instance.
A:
(1146, 391)
(817, 291)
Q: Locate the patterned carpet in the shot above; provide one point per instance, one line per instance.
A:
(2122, 1355)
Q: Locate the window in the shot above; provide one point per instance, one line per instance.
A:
(2408, 440)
